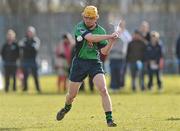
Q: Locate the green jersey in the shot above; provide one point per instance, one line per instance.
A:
(83, 49)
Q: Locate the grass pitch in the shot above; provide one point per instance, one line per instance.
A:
(141, 111)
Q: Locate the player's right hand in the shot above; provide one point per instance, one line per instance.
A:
(115, 35)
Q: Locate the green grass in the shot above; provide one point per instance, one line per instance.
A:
(147, 111)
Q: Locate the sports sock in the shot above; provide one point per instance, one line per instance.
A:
(67, 107)
(108, 116)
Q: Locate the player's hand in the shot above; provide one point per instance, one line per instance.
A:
(116, 35)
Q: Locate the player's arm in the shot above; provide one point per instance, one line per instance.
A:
(105, 50)
(97, 38)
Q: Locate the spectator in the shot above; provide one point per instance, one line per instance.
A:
(118, 58)
(135, 57)
(178, 52)
(10, 54)
(91, 85)
(62, 62)
(20, 76)
(145, 31)
(154, 60)
(29, 50)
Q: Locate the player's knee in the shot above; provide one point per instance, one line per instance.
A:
(103, 91)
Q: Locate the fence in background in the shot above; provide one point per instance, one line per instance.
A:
(50, 27)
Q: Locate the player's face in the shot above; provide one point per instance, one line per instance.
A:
(90, 21)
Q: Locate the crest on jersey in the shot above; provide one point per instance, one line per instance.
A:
(79, 38)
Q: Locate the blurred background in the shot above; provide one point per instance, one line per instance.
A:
(52, 18)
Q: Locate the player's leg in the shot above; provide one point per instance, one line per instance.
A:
(72, 92)
(76, 76)
(100, 83)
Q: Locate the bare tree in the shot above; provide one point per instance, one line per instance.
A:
(167, 5)
(22, 6)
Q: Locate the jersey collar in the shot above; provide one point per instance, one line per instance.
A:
(91, 29)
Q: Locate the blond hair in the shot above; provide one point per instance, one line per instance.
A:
(155, 34)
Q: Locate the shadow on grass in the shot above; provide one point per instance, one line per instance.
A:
(23, 128)
(173, 119)
(178, 93)
(10, 129)
(40, 94)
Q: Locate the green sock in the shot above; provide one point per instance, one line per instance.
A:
(67, 107)
(108, 116)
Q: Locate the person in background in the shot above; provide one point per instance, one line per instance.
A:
(10, 55)
(135, 58)
(145, 31)
(178, 52)
(117, 58)
(154, 59)
(144, 28)
(20, 77)
(62, 61)
(91, 85)
(29, 47)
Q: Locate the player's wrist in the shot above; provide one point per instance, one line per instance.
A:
(111, 36)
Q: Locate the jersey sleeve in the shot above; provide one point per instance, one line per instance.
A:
(80, 32)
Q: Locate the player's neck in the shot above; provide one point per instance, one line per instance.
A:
(92, 27)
